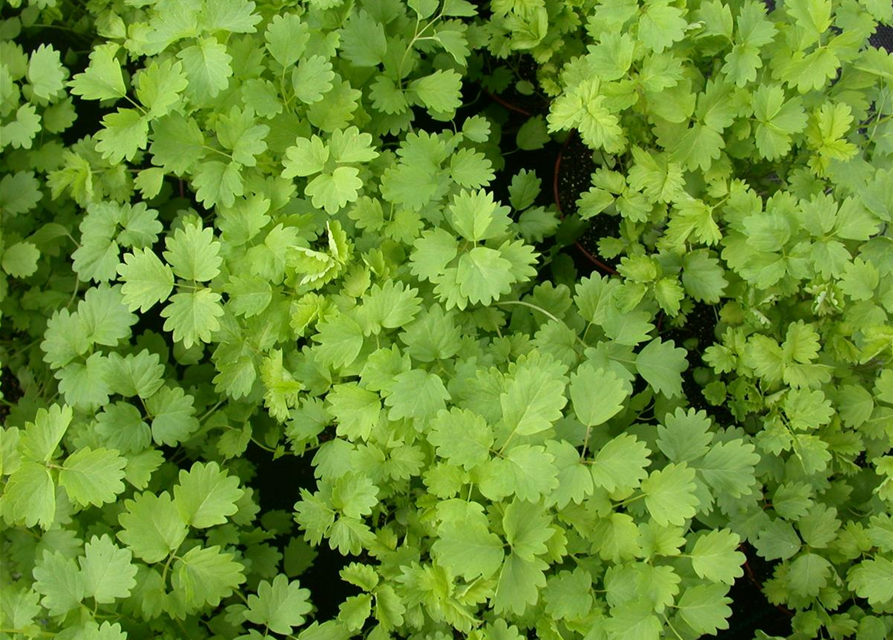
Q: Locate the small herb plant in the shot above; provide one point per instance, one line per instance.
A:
(240, 232)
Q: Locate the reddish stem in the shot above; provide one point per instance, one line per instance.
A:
(598, 263)
(753, 578)
(508, 105)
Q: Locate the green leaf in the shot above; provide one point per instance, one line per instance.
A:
(873, 580)
(248, 295)
(332, 191)
(728, 468)
(218, 183)
(102, 80)
(440, 92)
(92, 476)
(45, 72)
(519, 585)
(287, 36)
(462, 437)
(533, 134)
(205, 496)
(705, 609)
(239, 132)
(177, 143)
(356, 410)
(151, 526)
(172, 414)
(280, 605)
(192, 253)
(60, 582)
(19, 192)
(778, 120)
(568, 594)
(471, 169)
(205, 575)
(703, 276)
(363, 40)
(85, 386)
(484, 275)
(124, 133)
(159, 87)
(661, 365)
(305, 157)
(40, 438)
(104, 316)
(527, 529)
(416, 394)
(30, 496)
(777, 541)
(661, 25)
(528, 471)
(340, 340)
(465, 545)
(597, 394)
(108, 572)
(620, 464)
(207, 68)
(808, 575)
(633, 620)
(477, 217)
(684, 435)
(533, 400)
(670, 494)
(311, 80)
(715, 557)
(193, 316)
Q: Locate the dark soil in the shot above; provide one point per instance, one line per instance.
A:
(751, 611)
(279, 483)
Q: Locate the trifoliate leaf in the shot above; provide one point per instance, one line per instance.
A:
(205, 495)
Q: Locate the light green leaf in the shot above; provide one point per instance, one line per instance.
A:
(670, 494)
(715, 557)
(60, 582)
(280, 605)
(661, 365)
(705, 608)
(597, 394)
(151, 526)
(108, 572)
(193, 316)
(45, 72)
(102, 80)
(92, 476)
(462, 437)
(620, 464)
(207, 67)
(205, 575)
(205, 496)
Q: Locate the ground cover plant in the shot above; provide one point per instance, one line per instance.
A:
(239, 236)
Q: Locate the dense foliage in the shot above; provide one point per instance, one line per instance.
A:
(230, 226)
